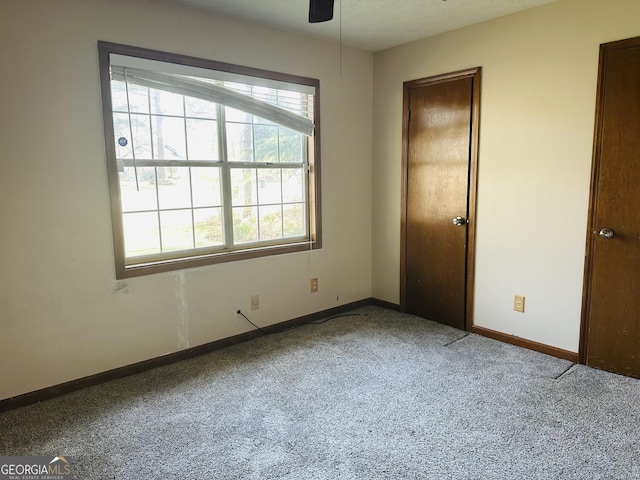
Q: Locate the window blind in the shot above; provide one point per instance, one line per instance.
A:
(209, 91)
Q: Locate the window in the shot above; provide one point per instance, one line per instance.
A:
(207, 162)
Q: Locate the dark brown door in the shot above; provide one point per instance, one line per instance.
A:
(439, 145)
(611, 320)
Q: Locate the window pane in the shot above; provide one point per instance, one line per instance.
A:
(266, 143)
(292, 185)
(270, 222)
(168, 138)
(174, 189)
(177, 230)
(138, 197)
(245, 225)
(118, 96)
(269, 186)
(233, 115)
(202, 139)
(138, 99)
(206, 186)
(240, 142)
(166, 103)
(124, 145)
(200, 108)
(209, 227)
(262, 121)
(147, 175)
(243, 186)
(141, 234)
(291, 143)
(141, 136)
(294, 223)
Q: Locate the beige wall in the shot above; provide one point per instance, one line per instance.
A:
(64, 316)
(537, 115)
(62, 313)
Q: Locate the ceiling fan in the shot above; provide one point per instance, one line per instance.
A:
(320, 10)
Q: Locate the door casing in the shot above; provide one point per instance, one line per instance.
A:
(475, 75)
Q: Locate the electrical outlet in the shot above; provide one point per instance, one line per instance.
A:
(314, 285)
(255, 302)
(518, 303)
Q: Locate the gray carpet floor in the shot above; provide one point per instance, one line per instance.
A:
(373, 395)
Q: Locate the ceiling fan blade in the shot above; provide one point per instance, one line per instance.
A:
(320, 11)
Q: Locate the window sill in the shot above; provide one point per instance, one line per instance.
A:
(160, 266)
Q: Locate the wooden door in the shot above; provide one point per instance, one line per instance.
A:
(611, 313)
(439, 192)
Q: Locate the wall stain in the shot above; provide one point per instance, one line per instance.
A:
(121, 287)
(182, 320)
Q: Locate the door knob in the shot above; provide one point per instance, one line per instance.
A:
(606, 233)
(459, 221)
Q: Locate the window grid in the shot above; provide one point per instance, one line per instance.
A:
(145, 184)
(155, 118)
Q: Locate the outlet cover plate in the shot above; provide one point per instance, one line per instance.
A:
(518, 303)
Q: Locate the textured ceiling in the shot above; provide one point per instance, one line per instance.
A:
(369, 24)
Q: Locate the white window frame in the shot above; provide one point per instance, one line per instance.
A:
(167, 71)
